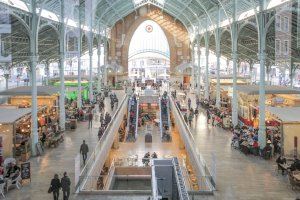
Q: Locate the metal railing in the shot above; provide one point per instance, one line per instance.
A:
(198, 158)
(99, 145)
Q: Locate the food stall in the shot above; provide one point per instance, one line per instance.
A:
(71, 88)
(15, 132)
(226, 82)
(276, 96)
(21, 96)
(289, 123)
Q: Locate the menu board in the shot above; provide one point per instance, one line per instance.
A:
(25, 170)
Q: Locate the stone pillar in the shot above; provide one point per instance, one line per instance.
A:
(262, 59)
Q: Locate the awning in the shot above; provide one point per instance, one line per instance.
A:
(26, 91)
(11, 115)
(269, 89)
(285, 114)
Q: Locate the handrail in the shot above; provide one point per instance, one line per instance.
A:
(99, 145)
(195, 151)
(160, 118)
(137, 118)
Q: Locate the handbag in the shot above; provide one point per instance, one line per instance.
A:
(50, 189)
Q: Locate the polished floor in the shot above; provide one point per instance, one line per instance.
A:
(57, 160)
(239, 177)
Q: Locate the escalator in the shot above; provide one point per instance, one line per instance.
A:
(165, 122)
(133, 113)
(167, 180)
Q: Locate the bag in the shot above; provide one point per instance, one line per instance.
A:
(50, 189)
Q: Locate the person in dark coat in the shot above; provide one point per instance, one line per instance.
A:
(84, 149)
(65, 186)
(90, 119)
(55, 186)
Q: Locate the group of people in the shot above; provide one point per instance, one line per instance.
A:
(64, 184)
(147, 157)
(247, 141)
(113, 100)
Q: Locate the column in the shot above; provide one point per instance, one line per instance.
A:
(199, 68)
(99, 67)
(62, 112)
(192, 83)
(262, 59)
(91, 76)
(33, 63)
(105, 62)
(47, 70)
(218, 54)
(206, 66)
(6, 76)
(79, 100)
(234, 33)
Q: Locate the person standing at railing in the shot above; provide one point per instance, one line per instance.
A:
(84, 149)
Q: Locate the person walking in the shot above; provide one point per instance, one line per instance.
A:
(65, 186)
(90, 119)
(84, 149)
(55, 186)
(189, 103)
(207, 116)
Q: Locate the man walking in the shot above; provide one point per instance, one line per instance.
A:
(84, 149)
(65, 186)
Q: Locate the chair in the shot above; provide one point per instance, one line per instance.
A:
(14, 182)
(2, 185)
(294, 183)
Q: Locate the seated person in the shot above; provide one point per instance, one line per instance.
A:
(13, 170)
(146, 158)
(296, 165)
(281, 160)
(154, 155)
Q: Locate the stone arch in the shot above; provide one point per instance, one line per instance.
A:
(176, 34)
(131, 31)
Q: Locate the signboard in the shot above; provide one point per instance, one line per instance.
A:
(25, 170)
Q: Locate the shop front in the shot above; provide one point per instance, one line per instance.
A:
(276, 96)
(288, 124)
(15, 132)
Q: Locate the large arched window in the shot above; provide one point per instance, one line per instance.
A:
(149, 53)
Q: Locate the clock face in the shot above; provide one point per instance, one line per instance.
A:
(149, 28)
